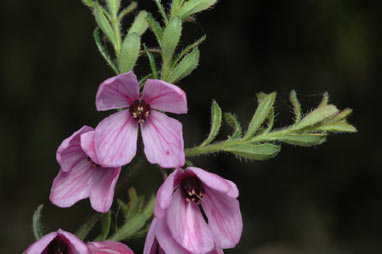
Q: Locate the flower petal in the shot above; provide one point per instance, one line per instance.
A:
(117, 92)
(164, 194)
(167, 244)
(69, 152)
(163, 140)
(187, 226)
(116, 139)
(70, 187)
(41, 244)
(216, 182)
(88, 146)
(109, 247)
(224, 218)
(76, 246)
(151, 242)
(102, 190)
(164, 96)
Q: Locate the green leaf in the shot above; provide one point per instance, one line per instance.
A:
(161, 10)
(310, 139)
(113, 6)
(256, 152)
(188, 49)
(152, 62)
(170, 39)
(105, 225)
(234, 123)
(185, 67)
(174, 8)
(262, 112)
(296, 105)
(341, 126)
(129, 52)
(103, 50)
(88, 3)
(216, 120)
(325, 100)
(132, 226)
(193, 6)
(155, 27)
(132, 6)
(104, 23)
(124, 207)
(140, 24)
(36, 222)
(341, 115)
(318, 115)
(149, 208)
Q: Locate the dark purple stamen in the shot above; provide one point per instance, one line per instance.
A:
(192, 189)
(139, 110)
(57, 246)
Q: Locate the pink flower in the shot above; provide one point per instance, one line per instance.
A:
(81, 176)
(116, 136)
(180, 226)
(59, 242)
(109, 247)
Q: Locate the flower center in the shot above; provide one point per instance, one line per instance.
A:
(192, 189)
(57, 246)
(93, 163)
(140, 110)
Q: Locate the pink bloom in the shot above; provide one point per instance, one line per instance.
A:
(179, 225)
(81, 176)
(109, 247)
(59, 242)
(116, 136)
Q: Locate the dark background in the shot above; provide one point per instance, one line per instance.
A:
(325, 199)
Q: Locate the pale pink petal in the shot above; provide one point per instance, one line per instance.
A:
(163, 140)
(117, 92)
(187, 226)
(224, 218)
(69, 152)
(70, 187)
(164, 194)
(164, 96)
(116, 139)
(75, 245)
(109, 247)
(88, 146)
(215, 182)
(151, 242)
(167, 244)
(217, 251)
(102, 191)
(39, 246)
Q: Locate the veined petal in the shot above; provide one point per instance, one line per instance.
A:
(216, 182)
(117, 92)
(116, 139)
(109, 247)
(76, 246)
(164, 96)
(224, 218)
(70, 152)
(70, 187)
(163, 140)
(164, 194)
(167, 244)
(151, 241)
(88, 146)
(41, 244)
(187, 225)
(102, 190)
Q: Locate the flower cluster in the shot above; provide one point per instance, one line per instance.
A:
(195, 211)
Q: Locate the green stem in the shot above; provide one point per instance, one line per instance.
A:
(117, 34)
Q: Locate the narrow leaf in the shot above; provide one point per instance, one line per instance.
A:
(129, 52)
(155, 27)
(140, 24)
(185, 67)
(103, 50)
(88, 3)
(341, 126)
(216, 120)
(261, 114)
(170, 39)
(193, 6)
(296, 105)
(149, 208)
(161, 10)
(325, 100)
(124, 207)
(132, 6)
(104, 23)
(188, 49)
(316, 116)
(341, 115)
(113, 6)
(234, 123)
(152, 62)
(132, 226)
(303, 139)
(36, 222)
(105, 225)
(255, 152)
(133, 196)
